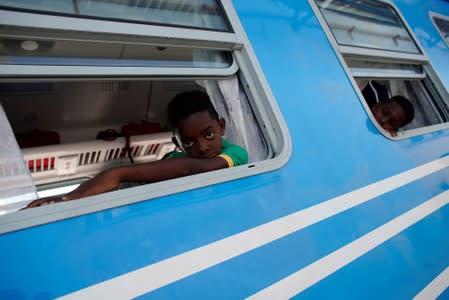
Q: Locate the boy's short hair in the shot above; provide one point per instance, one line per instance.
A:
(188, 103)
(407, 107)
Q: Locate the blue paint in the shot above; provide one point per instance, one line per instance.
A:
(334, 146)
(390, 270)
(444, 295)
(275, 261)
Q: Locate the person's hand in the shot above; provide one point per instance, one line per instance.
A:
(103, 182)
(44, 201)
(393, 133)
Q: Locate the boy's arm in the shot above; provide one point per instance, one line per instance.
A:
(147, 172)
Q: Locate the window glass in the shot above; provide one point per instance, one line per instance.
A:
(443, 27)
(76, 53)
(373, 68)
(366, 23)
(205, 14)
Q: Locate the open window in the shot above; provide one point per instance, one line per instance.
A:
(374, 43)
(69, 131)
(83, 100)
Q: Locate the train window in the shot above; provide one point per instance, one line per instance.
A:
(374, 44)
(76, 111)
(93, 128)
(442, 24)
(367, 24)
(427, 112)
(206, 14)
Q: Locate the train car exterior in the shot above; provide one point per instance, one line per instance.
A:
(342, 210)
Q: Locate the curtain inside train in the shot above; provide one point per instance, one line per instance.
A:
(16, 185)
(232, 104)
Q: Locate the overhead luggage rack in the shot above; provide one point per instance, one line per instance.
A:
(48, 164)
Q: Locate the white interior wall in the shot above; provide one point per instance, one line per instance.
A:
(79, 110)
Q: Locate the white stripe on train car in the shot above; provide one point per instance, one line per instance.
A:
(320, 269)
(157, 275)
(435, 288)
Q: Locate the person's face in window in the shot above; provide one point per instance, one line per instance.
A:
(200, 135)
(390, 115)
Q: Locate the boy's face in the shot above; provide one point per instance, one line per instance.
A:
(200, 135)
(390, 116)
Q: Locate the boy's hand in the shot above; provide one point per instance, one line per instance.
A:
(104, 182)
(393, 133)
(44, 201)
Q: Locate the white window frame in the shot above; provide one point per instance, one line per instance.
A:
(15, 24)
(429, 70)
(245, 64)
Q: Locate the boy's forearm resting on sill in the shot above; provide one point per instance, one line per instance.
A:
(146, 172)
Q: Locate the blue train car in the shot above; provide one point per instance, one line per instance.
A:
(330, 205)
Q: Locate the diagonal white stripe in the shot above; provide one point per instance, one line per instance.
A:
(320, 269)
(147, 279)
(435, 288)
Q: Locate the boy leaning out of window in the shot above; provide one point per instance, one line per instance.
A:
(198, 133)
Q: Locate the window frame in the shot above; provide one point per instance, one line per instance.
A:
(14, 24)
(342, 50)
(245, 66)
(433, 16)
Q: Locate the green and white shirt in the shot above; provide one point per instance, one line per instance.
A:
(232, 153)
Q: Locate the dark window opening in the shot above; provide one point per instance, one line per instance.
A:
(70, 131)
